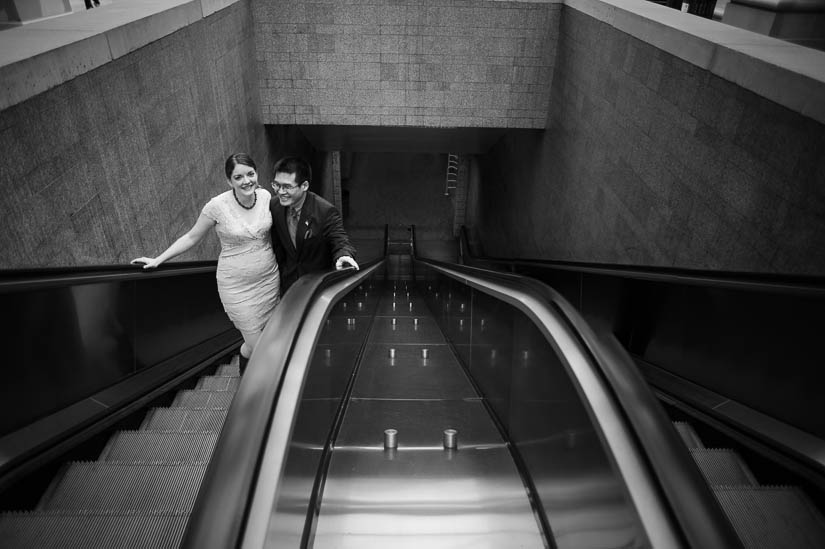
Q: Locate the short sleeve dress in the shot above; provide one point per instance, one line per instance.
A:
(247, 275)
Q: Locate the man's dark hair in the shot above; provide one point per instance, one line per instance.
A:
(296, 165)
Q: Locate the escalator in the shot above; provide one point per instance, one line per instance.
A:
(140, 490)
(545, 455)
(445, 407)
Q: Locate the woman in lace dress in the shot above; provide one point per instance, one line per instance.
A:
(247, 275)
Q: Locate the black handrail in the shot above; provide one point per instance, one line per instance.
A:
(17, 280)
(232, 471)
(762, 282)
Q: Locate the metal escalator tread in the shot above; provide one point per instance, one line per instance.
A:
(140, 492)
(124, 486)
(95, 530)
(184, 419)
(192, 446)
(231, 370)
(688, 434)
(218, 383)
(721, 466)
(203, 399)
(772, 517)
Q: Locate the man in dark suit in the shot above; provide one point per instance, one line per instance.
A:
(307, 231)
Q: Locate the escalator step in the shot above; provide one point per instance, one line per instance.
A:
(184, 419)
(772, 517)
(62, 530)
(721, 466)
(688, 434)
(123, 486)
(230, 370)
(153, 446)
(218, 383)
(203, 399)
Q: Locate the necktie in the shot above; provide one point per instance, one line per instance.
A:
(292, 223)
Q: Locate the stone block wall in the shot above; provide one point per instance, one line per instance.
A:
(440, 63)
(119, 161)
(650, 160)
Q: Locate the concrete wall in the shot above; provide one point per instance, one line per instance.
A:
(118, 161)
(445, 63)
(652, 160)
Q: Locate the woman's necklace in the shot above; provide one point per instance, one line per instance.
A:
(254, 201)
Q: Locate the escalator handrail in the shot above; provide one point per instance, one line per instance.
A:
(760, 282)
(690, 500)
(20, 280)
(218, 516)
(284, 415)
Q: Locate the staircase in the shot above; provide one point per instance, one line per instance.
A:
(142, 487)
(764, 517)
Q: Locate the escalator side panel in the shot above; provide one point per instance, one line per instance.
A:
(521, 375)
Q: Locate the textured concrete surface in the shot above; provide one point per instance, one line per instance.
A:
(119, 161)
(651, 160)
(441, 63)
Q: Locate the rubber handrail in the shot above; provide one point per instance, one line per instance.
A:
(694, 507)
(219, 513)
(761, 282)
(20, 280)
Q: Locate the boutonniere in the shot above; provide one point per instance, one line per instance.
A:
(308, 232)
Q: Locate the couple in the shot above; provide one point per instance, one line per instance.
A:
(298, 234)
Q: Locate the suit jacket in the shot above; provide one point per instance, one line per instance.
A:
(320, 239)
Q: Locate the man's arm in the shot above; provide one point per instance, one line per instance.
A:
(343, 252)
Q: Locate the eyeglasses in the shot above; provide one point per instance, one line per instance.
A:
(288, 187)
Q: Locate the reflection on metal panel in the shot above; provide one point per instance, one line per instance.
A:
(65, 343)
(425, 498)
(404, 372)
(406, 329)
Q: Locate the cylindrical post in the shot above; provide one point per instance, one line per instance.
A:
(390, 439)
(450, 439)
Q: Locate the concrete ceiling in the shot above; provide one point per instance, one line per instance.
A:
(403, 139)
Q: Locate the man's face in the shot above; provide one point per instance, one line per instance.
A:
(289, 192)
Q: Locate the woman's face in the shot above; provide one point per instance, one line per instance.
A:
(244, 179)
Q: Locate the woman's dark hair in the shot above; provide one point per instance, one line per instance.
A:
(238, 158)
(296, 165)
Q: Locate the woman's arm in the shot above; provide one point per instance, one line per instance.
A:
(182, 244)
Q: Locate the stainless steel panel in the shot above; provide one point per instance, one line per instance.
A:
(344, 329)
(358, 303)
(330, 370)
(409, 375)
(402, 306)
(405, 330)
(288, 519)
(432, 498)
(420, 423)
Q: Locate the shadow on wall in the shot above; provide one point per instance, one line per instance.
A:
(399, 189)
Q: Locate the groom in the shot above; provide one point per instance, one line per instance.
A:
(307, 231)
